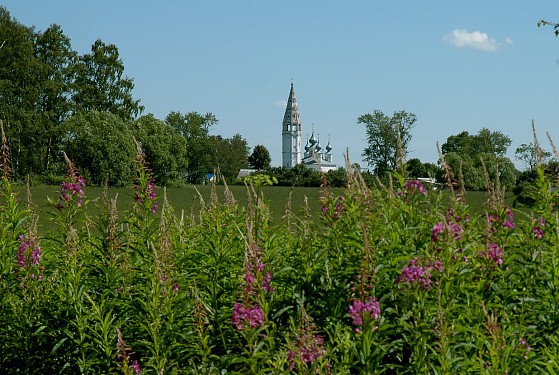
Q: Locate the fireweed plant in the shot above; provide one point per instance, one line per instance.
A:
(396, 278)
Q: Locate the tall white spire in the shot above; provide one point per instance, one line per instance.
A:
(291, 132)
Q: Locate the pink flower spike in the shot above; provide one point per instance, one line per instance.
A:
(136, 367)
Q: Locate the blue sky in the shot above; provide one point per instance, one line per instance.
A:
(457, 65)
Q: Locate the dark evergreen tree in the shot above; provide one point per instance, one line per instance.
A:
(260, 158)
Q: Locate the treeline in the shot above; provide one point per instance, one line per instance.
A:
(474, 161)
(53, 100)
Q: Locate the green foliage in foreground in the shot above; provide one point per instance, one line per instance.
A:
(389, 280)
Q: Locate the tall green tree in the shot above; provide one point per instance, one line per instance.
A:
(101, 145)
(260, 158)
(164, 148)
(228, 155)
(484, 142)
(299, 175)
(530, 155)
(42, 82)
(471, 157)
(387, 138)
(462, 143)
(464, 169)
(494, 143)
(100, 84)
(416, 168)
(54, 52)
(195, 127)
(19, 89)
(18, 67)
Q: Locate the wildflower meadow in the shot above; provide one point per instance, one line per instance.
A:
(394, 279)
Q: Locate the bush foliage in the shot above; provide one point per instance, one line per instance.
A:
(391, 279)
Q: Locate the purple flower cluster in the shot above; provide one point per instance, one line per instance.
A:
(174, 285)
(335, 212)
(491, 218)
(249, 316)
(310, 347)
(252, 281)
(151, 191)
(28, 256)
(452, 225)
(417, 274)
(70, 190)
(149, 194)
(136, 367)
(414, 186)
(29, 253)
(267, 282)
(454, 229)
(538, 228)
(509, 222)
(437, 230)
(494, 253)
(359, 310)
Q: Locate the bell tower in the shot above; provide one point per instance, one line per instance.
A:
(291, 132)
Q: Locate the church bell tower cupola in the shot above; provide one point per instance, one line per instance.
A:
(291, 132)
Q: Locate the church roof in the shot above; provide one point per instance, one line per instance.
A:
(317, 147)
(328, 147)
(312, 141)
(291, 116)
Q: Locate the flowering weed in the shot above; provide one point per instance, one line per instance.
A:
(395, 278)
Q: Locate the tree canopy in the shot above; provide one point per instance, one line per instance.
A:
(43, 82)
(102, 146)
(227, 155)
(387, 138)
(195, 129)
(554, 25)
(531, 155)
(260, 158)
(99, 84)
(416, 168)
(472, 157)
(53, 99)
(164, 149)
(484, 142)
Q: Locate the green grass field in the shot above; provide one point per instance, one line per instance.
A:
(185, 199)
(188, 199)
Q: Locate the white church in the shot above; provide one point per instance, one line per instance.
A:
(315, 156)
